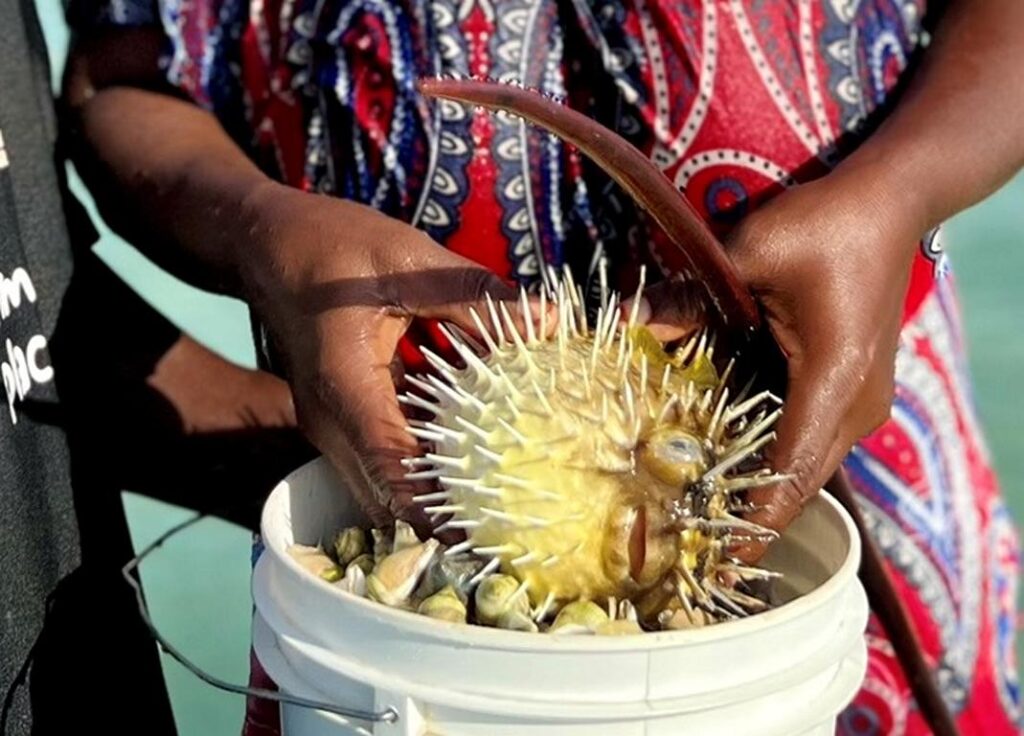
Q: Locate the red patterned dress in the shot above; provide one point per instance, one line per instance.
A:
(735, 100)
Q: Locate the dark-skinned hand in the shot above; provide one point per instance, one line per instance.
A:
(830, 267)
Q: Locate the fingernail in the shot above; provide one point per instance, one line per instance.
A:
(643, 313)
(534, 301)
(550, 312)
(643, 310)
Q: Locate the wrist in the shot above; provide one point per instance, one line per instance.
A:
(884, 197)
(257, 257)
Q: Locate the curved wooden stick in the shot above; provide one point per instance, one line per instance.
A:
(697, 250)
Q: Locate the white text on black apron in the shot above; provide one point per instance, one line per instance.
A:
(23, 362)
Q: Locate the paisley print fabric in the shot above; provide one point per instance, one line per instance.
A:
(735, 100)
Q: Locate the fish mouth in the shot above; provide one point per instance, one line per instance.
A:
(637, 545)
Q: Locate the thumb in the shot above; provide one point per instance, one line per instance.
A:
(480, 303)
(670, 309)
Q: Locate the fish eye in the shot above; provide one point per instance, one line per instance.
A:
(685, 449)
(674, 456)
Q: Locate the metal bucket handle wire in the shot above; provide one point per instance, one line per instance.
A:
(388, 715)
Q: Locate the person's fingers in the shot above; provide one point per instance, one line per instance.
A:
(351, 411)
(819, 393)
(830, 405)
(775, 506)
(670, 309)
(447, 287)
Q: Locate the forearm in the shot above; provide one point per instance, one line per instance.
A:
(163, 172)
(957, 133)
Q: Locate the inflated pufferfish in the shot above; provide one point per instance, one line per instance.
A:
(589, 464)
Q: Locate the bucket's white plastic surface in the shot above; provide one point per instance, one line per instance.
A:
(782, 673)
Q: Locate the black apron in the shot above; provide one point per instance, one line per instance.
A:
(73, 652)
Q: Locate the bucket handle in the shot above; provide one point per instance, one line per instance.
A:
(388, 715)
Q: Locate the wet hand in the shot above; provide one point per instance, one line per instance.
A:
(830, 264)
(337, 285)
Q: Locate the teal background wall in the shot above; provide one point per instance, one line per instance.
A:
(198, 585)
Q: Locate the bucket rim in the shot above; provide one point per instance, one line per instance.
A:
(465, 634)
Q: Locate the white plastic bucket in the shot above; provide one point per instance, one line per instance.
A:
(785, 672)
